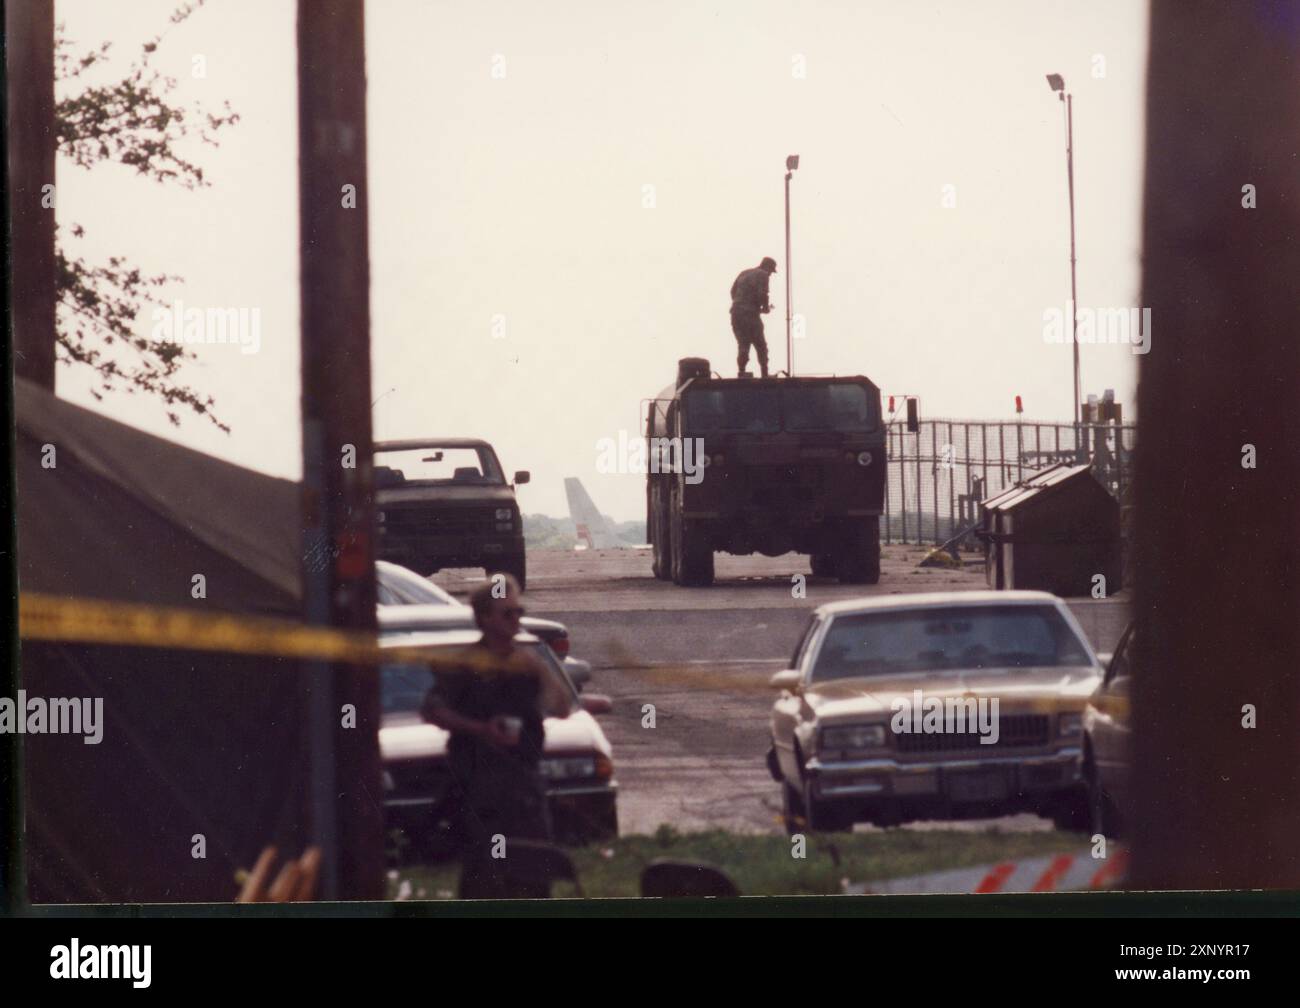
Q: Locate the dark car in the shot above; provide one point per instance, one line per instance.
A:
(444, 502)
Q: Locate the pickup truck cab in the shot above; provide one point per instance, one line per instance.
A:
(444, 502)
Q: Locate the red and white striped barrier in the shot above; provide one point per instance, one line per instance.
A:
(1057, 873)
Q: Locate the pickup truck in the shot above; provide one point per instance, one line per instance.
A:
(444, 502)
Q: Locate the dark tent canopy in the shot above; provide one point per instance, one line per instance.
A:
(127, 516)
(203, 759)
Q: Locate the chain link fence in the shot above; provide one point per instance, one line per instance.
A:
(937, 476)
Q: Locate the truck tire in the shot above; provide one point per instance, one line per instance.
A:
(823, 565)
(861, 560)
(692, 556)
(659, 550)
(516, 566)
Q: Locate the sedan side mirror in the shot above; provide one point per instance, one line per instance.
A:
(596, 703)
(579, 671)
(522, 477)
(787, 679)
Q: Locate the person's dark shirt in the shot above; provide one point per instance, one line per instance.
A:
(750, 289)
(513, 691)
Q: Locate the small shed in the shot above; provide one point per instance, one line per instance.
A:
(1055, 531)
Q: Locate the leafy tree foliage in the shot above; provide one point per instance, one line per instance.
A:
(131, 121)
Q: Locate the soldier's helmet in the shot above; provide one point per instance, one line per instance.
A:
(768, 264)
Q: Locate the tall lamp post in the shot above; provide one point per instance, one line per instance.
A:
(791, 163)
(1057, 83)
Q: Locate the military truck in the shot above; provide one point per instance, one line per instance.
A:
(445, 503)
(764, 465)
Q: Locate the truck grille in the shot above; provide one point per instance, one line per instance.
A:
(1014, 731)
(423, 521)
(788, 486)
(787, 475)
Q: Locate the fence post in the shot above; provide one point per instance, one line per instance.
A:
(934, 477)
(920, 533)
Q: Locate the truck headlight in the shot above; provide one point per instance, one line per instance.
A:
(503, 514)
(864, 458)
(854, 737)
(1070, 724)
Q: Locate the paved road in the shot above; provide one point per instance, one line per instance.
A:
(701, 657)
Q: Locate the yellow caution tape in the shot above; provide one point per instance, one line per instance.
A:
(94, 621)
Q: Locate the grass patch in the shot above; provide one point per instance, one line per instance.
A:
(763, 865)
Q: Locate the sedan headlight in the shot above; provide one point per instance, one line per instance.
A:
(1070, 724)
(568, 767)
(503, 514)
(854, 737)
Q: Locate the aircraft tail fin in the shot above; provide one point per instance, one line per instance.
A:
(590, 523)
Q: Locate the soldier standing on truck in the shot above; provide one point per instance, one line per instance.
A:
(749, 300)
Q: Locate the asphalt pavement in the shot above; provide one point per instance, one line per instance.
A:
(687, 669)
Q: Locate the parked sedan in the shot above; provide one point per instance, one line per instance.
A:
(398, 585)
(934, 706)
(577, 763)
(1106, 741)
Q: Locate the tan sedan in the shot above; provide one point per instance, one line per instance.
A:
(934, 706)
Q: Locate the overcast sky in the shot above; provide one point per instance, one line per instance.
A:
(527, 286)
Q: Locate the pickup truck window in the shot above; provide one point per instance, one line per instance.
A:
(437, 466)
(942, 640)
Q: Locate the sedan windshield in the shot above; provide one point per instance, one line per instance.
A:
(404, 686)
(960, 638)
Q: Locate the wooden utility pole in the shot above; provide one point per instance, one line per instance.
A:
(339, 556)
(29, 135)
(29, 229)
(1218, 458)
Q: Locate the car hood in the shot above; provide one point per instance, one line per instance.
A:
(467, 494)
(405, 736)
(1022, 689)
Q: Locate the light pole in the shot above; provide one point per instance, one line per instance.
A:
(791, 163)
(1057, 83)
